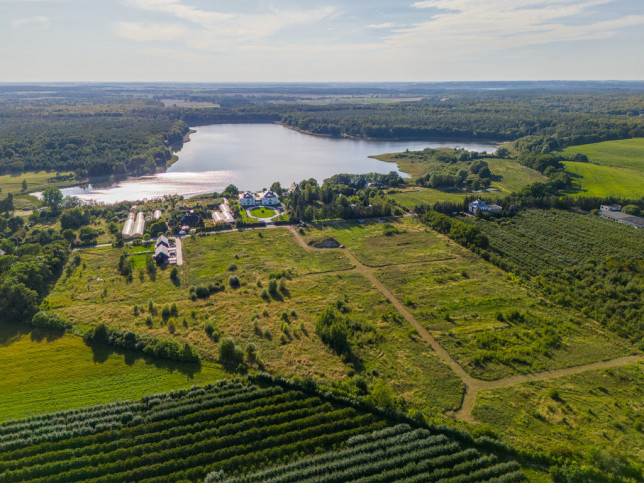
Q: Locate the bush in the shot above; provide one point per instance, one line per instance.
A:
(202, 292)
(174, 276)
(49, 320)
(264, 294)
(148, 320)
(165, 312)
(272, 286)
(234, 282)
(229, 352)
(232, 267)
(174, 311)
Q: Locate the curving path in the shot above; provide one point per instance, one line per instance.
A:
(472, 385)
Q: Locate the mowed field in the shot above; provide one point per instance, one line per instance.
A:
(596, 416)
(615, 168)
(491, 324)
(46, 372)
(282, 326)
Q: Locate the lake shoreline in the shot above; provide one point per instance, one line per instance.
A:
(410, 139)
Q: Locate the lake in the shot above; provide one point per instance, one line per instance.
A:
(252, 157)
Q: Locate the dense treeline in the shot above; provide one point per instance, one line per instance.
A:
(572, 119)
(91, 143)
(342, 196)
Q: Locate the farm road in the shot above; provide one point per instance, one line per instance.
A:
(472, 385)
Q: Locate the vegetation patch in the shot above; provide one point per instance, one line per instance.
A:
(263, 212)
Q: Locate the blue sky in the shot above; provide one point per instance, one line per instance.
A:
(288, 40)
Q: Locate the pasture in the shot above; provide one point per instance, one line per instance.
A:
(595, 417)
(44, 372)
(36, 181)
(604, 181)
(626, 153)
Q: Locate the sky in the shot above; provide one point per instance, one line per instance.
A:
(320, 41)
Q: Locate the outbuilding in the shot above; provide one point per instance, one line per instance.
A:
(161, 254)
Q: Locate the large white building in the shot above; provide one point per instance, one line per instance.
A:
(475, 206)
(265, 198)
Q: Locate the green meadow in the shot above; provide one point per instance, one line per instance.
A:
(45, 372)
(627, 153)
(596, 416)
(599, 180)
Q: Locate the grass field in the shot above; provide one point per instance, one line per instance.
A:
(594, 180)
(468, 303)
(410, 197)
(48, 373)
(387, 350)
(36, 181)
(615, 168)
(627, 153)
(509, 176)
(596, 416)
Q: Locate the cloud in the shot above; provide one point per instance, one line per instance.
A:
(38, 22)
(387, 25)
(214, 30)
(146, 32)
(463, 27)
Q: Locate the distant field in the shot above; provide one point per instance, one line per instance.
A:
(627, 153)
(36, 181)
(513, 176)
(596, 416)
(410, 197)
(593, 180)
(43, 374)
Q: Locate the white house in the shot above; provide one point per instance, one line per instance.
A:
(268, 198)
(247, 199)
(479, 205)
(610, 208)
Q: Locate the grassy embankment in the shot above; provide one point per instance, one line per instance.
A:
(43, 373)
(615, 168)
(492, 325)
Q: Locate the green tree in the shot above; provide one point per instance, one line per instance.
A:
(24, 185)
(52, 198)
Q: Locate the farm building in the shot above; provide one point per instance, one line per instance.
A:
(475, 206)
(157, 214)
(139, 225)
(634, 221)
(610, 208)
(161, 254)
(128, 228)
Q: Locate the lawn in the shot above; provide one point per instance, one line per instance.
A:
(627, 153)
(263, 212)
(596, 416)
(43, 374)
(596, 180)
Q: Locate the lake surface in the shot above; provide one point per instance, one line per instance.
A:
(252, 157)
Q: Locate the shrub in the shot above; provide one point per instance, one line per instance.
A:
(282, 285)
(174, 276)
(151, 308)
(267, 334)
(202, 292)
(232, 267)
(148, 320)
(165, 312)
(233, 281)
(264, 294)
(229, 352)
(49, 320)
(272, 286)
(171, 328)
(136, 309)
(174, 311)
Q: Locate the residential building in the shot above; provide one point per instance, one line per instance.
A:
(475, 206)
(610, 208)
(268, 198)
(162, 240)
(247, 199)
(161, 254)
